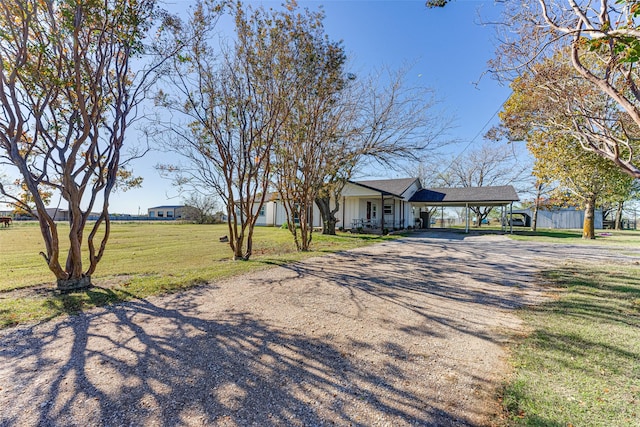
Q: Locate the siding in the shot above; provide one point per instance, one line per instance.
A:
(566, 218)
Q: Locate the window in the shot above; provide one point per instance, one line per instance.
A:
(169, 214)
(296, 213)
(152, 214)
(160, 214)
(388, 209)
(262, 211)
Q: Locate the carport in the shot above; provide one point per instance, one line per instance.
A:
(468, 197)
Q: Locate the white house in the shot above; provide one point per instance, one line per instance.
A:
(378, 204)
(273, 214)
(391, 203)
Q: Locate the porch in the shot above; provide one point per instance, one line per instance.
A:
(369, 215)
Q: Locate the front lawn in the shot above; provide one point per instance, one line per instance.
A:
(603, 237)
(142, 259)
(580, 364)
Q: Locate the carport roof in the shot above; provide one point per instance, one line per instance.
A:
(473, 196)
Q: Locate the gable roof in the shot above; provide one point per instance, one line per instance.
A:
(478, 196)
(393, 187)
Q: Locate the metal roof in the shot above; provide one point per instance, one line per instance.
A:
(167, 207)
(474, 196)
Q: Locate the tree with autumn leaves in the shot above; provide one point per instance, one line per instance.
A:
(68, 94)
(228, 105)
(552, 108)
(601, 42)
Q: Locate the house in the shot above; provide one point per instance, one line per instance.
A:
(393, 203)
(167, 212)
(378, 204)
(557, 218)
(273, 213)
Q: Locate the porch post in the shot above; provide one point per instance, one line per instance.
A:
(382, 214)
(394, 213)
(344, 208)
(466, 215)
(511, 218)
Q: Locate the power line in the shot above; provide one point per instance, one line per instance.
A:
(478, 134)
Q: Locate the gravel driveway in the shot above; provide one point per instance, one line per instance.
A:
(409, 332)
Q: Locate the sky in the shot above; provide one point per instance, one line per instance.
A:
(447, 50)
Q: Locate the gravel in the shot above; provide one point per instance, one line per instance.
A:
(409, 332)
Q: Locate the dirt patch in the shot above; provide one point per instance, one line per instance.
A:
(50, 289)
(40, 290)
(410, 332)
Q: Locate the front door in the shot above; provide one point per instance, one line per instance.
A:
(368, 211)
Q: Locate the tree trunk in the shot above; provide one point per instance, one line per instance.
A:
(74, 283)
(74, 255)
(328, 215)
(476, 212)
(588, 226)
(72, 277)
(329, 226)
(618, 225)
(306, 229)
(536, 207)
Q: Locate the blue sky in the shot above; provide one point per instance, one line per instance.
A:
(447, 49)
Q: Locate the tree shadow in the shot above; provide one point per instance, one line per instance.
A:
(453, 268)
(417, 282)
(175, 364)
(611, 301)
(138, 363)
(588, 340)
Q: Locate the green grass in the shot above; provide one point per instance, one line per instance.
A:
(142, 259)
(606, 237)
(580, 365)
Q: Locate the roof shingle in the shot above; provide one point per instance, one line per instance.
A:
(472, 195)
(388, 186)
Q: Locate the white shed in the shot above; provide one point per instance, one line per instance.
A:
(561, 218)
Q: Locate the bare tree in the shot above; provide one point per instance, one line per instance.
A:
(200, 208)
(384, 122)
(537, 203)
(491, 164)
(68, 94)
(228, 109)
